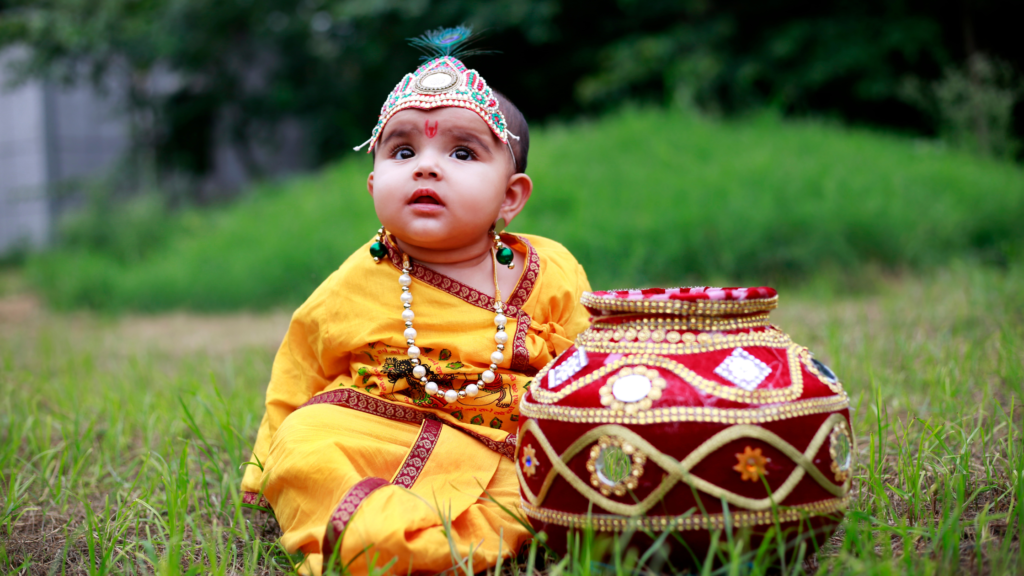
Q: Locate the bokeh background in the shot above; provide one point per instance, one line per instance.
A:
(176, 176)
(148, 149)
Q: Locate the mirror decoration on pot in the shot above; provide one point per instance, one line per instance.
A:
(684, 409)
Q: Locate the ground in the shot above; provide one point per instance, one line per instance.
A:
(122, 436)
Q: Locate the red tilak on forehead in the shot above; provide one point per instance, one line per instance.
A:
(430, 130)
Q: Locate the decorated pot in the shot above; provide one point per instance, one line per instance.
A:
(683, 409)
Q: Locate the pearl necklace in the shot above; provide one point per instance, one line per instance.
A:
(419, 371)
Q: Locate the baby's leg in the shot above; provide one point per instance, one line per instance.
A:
(316, 456)
(407, 525)
(321, 452)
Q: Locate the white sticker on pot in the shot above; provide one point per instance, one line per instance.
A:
(743, 369)
(566, 370)
(632, 388)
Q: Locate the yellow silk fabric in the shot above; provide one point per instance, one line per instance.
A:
(322, 451)
(349, 334)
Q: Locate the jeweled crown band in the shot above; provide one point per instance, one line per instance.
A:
(439, 83)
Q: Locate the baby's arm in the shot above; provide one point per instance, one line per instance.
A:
(578, 318)
(565, 316)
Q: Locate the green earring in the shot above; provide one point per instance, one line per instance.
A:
(503, 254)
(378, 249)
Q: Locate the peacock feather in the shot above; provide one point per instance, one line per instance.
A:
(454, 42)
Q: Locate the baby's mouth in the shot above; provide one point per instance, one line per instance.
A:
(426, 196)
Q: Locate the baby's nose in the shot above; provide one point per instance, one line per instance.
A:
(427, 168)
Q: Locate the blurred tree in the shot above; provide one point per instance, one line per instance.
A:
(842, 59)
(973, 105)
(194, 70)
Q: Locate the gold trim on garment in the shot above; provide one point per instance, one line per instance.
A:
(733, 393)
(679, 471)
(689, 521)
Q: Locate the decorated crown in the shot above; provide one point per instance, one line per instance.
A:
(441, 82)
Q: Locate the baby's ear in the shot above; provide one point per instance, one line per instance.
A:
(369, 184)
(518, 191)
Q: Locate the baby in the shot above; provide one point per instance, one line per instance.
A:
(393, 404)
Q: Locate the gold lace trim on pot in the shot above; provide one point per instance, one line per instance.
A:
(759, 415)
(679, 471)
(689, 342)
(687, 521)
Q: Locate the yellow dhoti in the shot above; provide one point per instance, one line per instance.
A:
(340, 479)
(352, 441)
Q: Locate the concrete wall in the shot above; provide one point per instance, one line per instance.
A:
(49, 135)
(87, 135)
(53, 136)
(24, 173)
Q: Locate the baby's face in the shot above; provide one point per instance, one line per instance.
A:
(439, 177)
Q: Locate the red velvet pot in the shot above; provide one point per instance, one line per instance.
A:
(684, 409)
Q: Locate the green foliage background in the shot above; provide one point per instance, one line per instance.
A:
(643, 197)
(191, 65)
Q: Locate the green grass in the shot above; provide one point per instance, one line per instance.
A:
(641, 198)
(119, 454)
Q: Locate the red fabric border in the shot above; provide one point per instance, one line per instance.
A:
(349, 398)
(506, 448)
(430, 433)
(346, 508)
(255, 498)
(520, 353)
(527, 280)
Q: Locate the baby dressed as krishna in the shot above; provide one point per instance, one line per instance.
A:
(394, 398)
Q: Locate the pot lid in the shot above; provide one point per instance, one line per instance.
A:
(692, 300)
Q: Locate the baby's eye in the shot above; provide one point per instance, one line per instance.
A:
(403, 153)
(462, 154)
